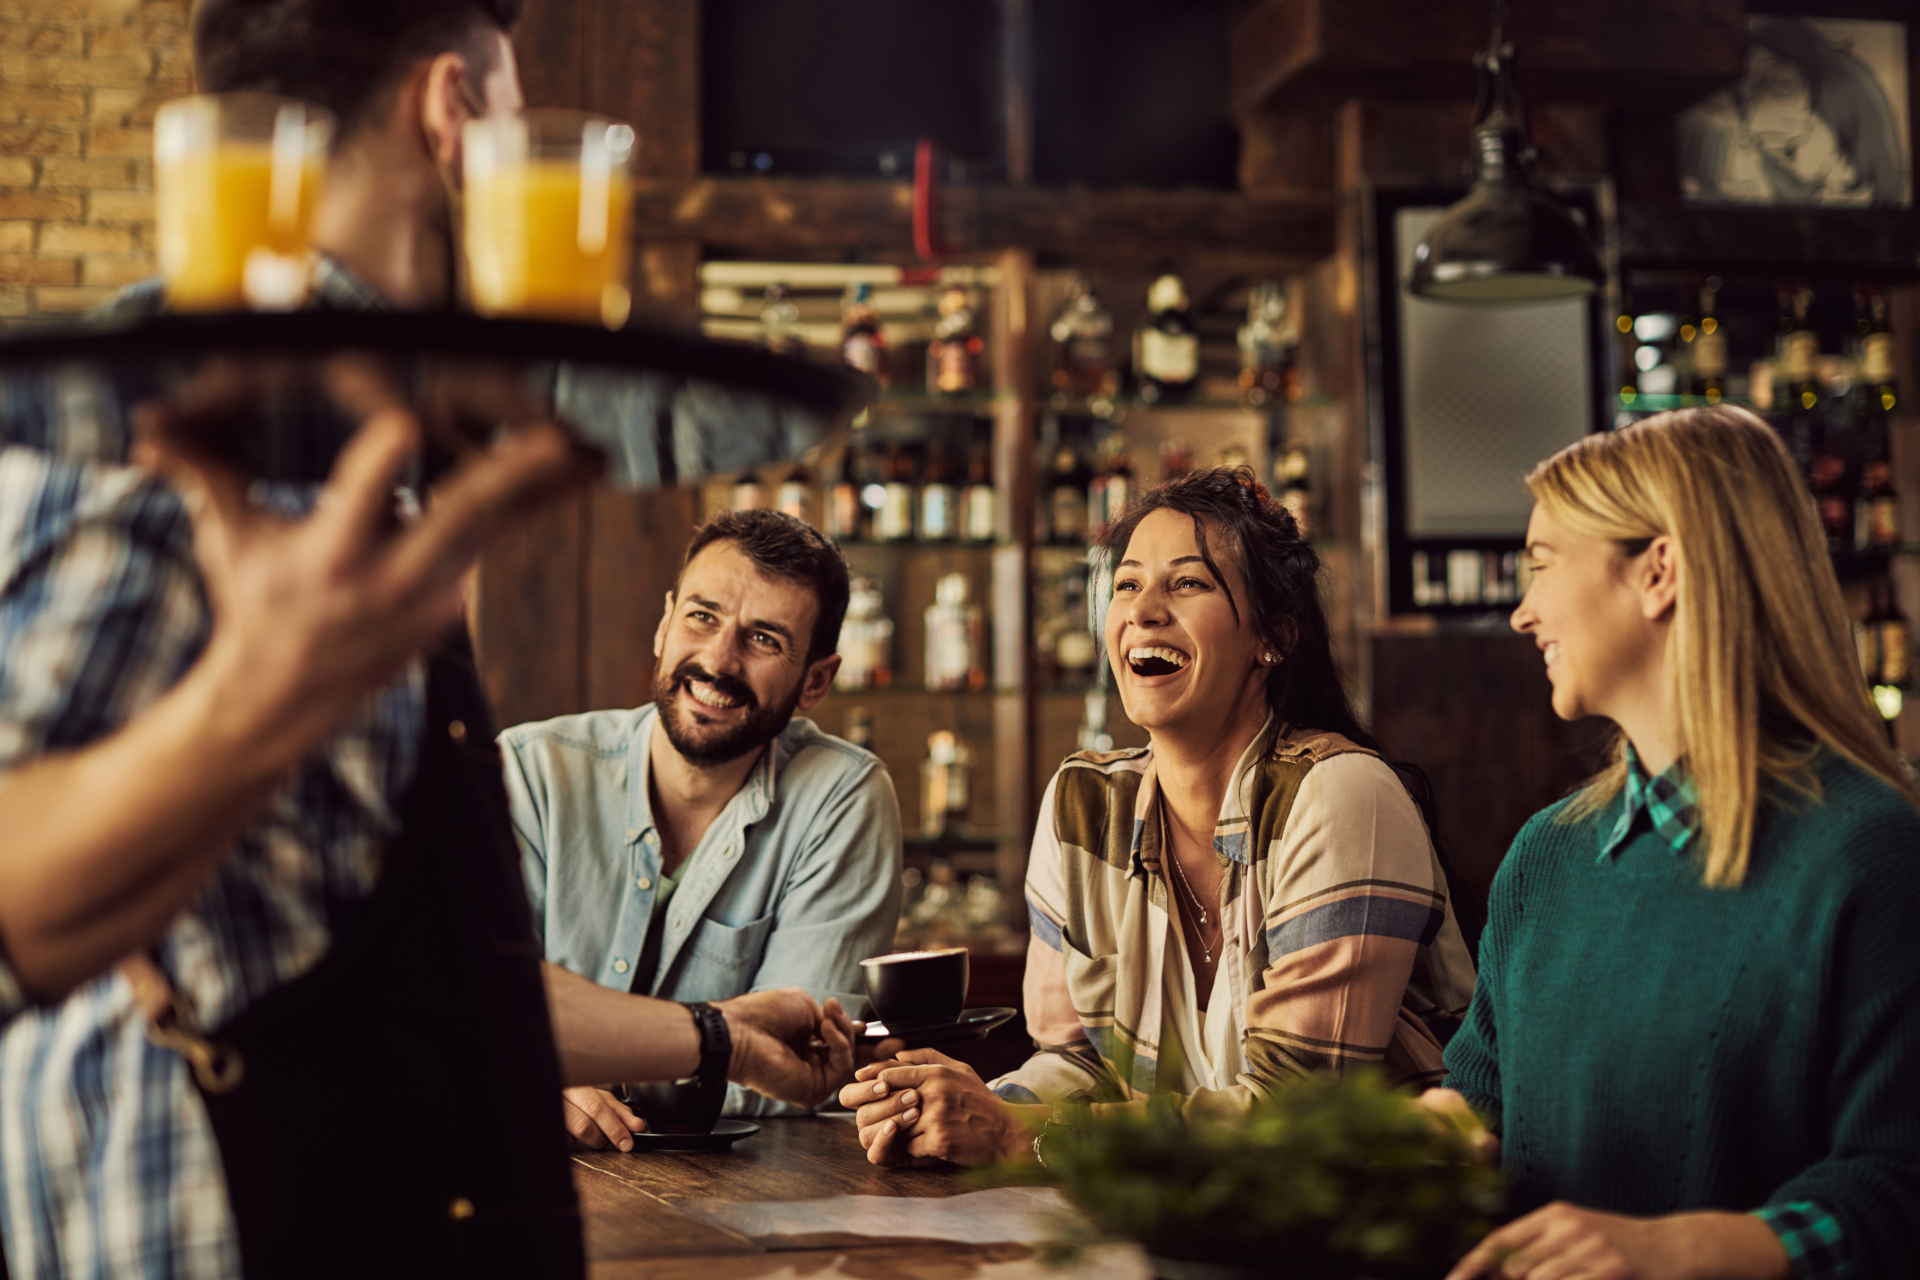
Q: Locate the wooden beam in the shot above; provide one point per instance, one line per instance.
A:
(1877, 242)
(760, 216)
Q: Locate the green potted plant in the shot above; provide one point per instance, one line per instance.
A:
(1329, 1176)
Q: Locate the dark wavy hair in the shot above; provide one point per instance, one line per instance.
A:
(1283, 606)
(782, 547)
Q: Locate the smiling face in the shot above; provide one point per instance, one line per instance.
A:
(732, 657)
(1588, 614)
(1182, 660)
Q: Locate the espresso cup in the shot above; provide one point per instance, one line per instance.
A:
(677, 1106)
(917, 988)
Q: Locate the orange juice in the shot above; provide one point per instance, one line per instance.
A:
(548, 238)
(217, 208)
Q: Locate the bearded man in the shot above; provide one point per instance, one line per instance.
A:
(710, 843)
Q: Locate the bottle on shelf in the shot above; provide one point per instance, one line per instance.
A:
(1796, 373)
(862, 345)
(866, 639)
(1827, 475)
(859, 730)
(1293, 486)
(944, 785)
(1176, 457)
(1166, 356)
(780, 323)
(939, 499)
(1066, 496)
(956, 355)
(1892, 638)
(954, 637)
(794, 496)
(1629, 388)
(1075, 651)
(748, 492)
(1113, 486)
(1093, 735)
(1876, 350)
(1082, 346)
(846, 513)
(1709, 347)
(1877, 509)
(893, 519)
(976, 500)
(1268, 374)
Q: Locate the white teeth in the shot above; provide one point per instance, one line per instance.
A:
(708, 698)
(1140, 653)
(1552, 651)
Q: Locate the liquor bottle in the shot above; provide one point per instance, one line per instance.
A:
(1799, 353)
(1267, 343)
(1067, 496)
(1166, 356)
(780, 323)
(846, 513)
(1876, 352)
(1293, 486)
(1113, 483)
(1877, 509)
(954, 635)
(955, 356)
(1629, 387)
(944, 786)
(862, 345)
(976, 500)
(1176, 457)
(1093, 735)
(939, 500)
(866, 639)
(748, 492)
(893, 519)
(1709, 347)
(794, 497)
(859, 731)
(1074, 648)
(1893, 638)
(1082, 345)
(1827, 474)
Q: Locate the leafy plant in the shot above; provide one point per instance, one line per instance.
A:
(1340, 1169)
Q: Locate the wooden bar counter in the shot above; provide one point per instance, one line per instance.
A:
(798, 1199)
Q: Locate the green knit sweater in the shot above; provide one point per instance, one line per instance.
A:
(1648, 1045)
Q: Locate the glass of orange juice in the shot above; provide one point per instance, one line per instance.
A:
(549, 196)
(235, 178)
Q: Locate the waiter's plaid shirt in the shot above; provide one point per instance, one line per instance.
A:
(107, 1164)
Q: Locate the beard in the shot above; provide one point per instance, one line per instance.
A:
(698, 739)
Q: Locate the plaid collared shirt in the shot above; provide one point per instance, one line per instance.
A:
(1669, 803)
(108, 1167)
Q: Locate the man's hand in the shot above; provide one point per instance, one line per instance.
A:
(925, 1107)
(1451, 1108)
(787, 1047)
(1564, 1242)
(595, 1118)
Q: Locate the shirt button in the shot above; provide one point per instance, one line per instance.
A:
(633, 833)
(643, 883)
(619, 966)
(461, 1208)
(456, 730)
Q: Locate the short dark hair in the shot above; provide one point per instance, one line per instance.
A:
(344, 55)
(783, 547)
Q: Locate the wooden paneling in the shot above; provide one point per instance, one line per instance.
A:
(527, 617)
(1474, 711)
(1879, 242)
(550, 46)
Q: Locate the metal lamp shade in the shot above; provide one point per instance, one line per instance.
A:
(1505, 242)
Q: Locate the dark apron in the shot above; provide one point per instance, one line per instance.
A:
(400, 1110)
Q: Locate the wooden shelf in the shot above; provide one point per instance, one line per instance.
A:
(1884, 243)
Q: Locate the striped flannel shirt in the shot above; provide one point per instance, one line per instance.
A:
(1339, 946)
(108, 1167)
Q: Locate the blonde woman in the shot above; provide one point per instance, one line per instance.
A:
(1698, 1017)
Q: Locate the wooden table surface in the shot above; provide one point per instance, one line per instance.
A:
(798, 1199)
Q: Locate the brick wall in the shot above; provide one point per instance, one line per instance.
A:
(79, 82)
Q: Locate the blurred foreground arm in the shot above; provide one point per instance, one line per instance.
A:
(102, 846)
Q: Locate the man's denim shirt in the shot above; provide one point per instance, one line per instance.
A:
(796, 881)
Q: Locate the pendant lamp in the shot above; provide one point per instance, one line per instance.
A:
(1507, 241)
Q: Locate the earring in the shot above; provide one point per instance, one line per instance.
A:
(1267, 658)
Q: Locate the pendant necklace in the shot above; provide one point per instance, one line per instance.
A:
(1166, 842)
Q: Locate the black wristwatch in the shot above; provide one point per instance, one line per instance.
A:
(716, 1042)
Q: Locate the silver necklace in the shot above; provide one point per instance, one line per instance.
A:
(1166, 843)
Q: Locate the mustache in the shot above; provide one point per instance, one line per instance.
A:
(726, 686)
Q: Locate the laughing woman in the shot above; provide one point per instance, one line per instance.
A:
(1251, 897)
(1698, 1018)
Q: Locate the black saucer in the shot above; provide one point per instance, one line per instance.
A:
(724, 1135)
(972, 1024)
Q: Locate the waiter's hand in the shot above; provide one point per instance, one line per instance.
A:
(788, 1047)
(312, 614)
(595, 1118)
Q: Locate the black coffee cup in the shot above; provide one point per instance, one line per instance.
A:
(917, 988)
(677, 1106)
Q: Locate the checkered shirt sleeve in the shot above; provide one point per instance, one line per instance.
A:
(1812, 1238)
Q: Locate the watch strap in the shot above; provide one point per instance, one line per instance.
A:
(716, 1042)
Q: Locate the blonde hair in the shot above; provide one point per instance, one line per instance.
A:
(1760, 659)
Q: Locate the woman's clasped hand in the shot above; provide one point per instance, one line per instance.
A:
(924, 1106)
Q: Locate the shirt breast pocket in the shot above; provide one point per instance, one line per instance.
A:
(1091, 980)
(737, 948)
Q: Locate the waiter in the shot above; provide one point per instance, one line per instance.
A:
(269, 998)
